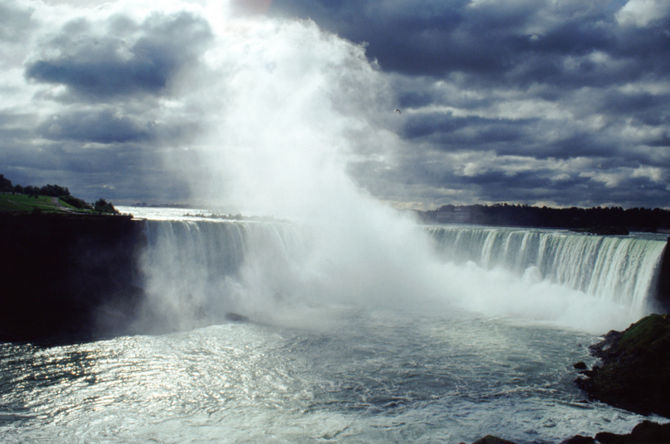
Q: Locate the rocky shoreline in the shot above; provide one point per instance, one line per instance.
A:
(646, 432)
(633, 374)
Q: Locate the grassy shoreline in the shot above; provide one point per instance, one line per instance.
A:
(17, 203)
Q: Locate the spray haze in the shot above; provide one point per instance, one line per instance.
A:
(296, 106)
(284, 110)
(290, 101)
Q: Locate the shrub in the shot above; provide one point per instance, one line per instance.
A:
(102, 206)
(76, 202)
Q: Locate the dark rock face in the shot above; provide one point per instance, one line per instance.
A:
(579, 439)
(68, 277)
(646, 432)
(635, 369)
(663, 281)
(580, 365)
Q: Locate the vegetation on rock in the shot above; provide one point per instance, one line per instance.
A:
(46, 199)
(635, 366)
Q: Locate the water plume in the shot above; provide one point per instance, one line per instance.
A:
(286, 109)
(296, 106)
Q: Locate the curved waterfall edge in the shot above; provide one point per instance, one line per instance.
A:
(628, 270)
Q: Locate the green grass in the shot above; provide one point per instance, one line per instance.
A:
(647, 334)
(22, 203)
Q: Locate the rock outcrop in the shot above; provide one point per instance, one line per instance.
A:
(646, 432)
(635, 370)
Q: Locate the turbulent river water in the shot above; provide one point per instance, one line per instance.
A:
(302, 363)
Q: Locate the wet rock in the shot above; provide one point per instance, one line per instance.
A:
(579, 365)
(635, 366)
(490, 439)
(646, 432)
(579, 439)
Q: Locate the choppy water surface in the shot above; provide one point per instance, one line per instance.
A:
(356, 333)
(362, 376)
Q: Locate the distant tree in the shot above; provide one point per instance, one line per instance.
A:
(5, 184)
(31, 191)
(102, 206)
(612, 218)
(54, 191)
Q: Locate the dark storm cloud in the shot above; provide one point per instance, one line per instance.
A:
(125, 59)
(578, 144)
(13, 127)
(123, 172)
(516, 101)
(106, 132)
(535, 79)
(445, 129)
(663, 141)
(513, 42)
(104, 126)
(530, 186)
(431, 37)
(645, 108)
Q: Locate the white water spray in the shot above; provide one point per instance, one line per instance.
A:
(295, 106)
(287, 107)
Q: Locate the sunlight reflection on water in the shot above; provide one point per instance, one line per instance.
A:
(375, 377)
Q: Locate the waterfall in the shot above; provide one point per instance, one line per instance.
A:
(616, 268)
(197, 270)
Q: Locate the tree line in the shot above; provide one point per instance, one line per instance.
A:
(638, 219)
(101, 205)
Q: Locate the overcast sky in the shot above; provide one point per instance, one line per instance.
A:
(557, 102)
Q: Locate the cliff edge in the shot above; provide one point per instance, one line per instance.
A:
(663, 282)
(68, 276)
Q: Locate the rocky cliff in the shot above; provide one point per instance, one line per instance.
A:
(634, 368)
(68, 276)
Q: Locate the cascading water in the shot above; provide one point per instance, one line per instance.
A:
(615, 268)
(199, 269)
(194, 268)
